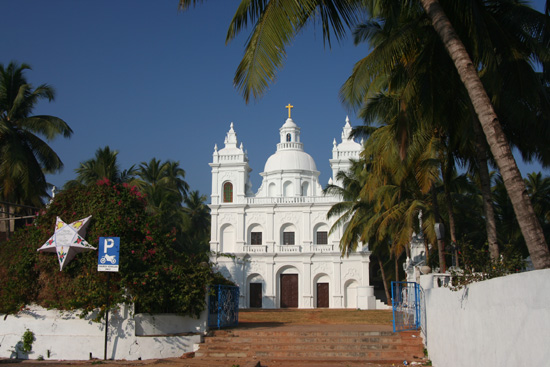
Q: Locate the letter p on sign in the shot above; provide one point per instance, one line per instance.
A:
(108, 243)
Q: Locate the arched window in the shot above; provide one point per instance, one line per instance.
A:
(288, 137)
(227, 192)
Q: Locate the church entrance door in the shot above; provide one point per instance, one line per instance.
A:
(322, 295)
(289, 290)
(255, 295)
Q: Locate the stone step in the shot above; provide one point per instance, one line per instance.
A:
(306, 339)
(283, 362)
(309, 346)
(326, 346)
(327, 362)
(343, 352)
(275, 333)
(218, 362)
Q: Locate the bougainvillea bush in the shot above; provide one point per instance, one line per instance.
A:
(152, 274)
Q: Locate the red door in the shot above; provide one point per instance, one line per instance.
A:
(322, 295)
(289, 290)
(255, 295)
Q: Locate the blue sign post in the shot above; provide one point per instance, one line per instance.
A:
(108, 254)
(108, 260)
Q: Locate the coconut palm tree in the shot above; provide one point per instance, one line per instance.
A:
(500, 148)
(196, 228)
(104, 166)
(404, 46)
(167, 175)
(164, 187)
(276, 23)
(24, 157)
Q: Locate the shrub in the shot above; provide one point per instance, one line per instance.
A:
(152, 273)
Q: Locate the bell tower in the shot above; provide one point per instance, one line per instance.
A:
(230, 172)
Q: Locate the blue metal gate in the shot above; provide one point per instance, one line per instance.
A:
(223, 306)
(408, 306)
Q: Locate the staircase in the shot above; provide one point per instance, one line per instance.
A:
(310, 345)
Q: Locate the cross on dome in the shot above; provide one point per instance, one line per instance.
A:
(289, 107)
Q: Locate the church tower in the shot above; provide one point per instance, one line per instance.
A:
(343, 152)
(230, 172)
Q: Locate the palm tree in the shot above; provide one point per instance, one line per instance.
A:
(24, 157)
(276, 23)
(400, 42)
(168, 175)
(353, 213)
(104, 166)
(164, 187)
(500, 148)
(196, 231)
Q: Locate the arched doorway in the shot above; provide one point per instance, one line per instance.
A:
(255, 291)
(322, 294)
(288, 287)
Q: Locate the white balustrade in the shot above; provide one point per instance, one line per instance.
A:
(289, 248)
(323, 248)
(255, 248)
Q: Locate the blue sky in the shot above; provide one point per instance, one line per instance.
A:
(150, 81)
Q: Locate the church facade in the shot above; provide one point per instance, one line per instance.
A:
(276, 244)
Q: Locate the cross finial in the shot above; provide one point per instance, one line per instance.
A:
(290, 107)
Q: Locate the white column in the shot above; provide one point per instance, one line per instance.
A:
(270, 230)
(240, 230)
(337, 298)
(270, 285)
(307, 294)
(214, 231)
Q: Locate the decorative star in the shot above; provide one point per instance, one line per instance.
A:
(68, 240)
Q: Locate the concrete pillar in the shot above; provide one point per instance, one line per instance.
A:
(307, 293)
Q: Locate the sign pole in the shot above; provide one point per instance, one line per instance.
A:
(107, 314)
(107, 260)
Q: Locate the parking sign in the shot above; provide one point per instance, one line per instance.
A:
(108, 254)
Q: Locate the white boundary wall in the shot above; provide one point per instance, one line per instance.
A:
(66, 336)
(498, 322)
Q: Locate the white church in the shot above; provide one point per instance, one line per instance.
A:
(276, 244)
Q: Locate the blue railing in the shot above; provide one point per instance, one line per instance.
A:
(408, 306)
(223, 306)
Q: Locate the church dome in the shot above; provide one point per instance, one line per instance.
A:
(290, 160)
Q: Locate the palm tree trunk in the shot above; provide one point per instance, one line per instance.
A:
(440, 243)
(396, 265)
(515, 186)
(446, 175)
(485, 182)
(388, 296)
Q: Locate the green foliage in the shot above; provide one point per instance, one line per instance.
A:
(25, 155)
(476, 265)
(26, 341)
(153, 273)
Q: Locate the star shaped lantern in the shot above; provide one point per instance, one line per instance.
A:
(68, 240)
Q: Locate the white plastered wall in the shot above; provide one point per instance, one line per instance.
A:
(64, 335)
